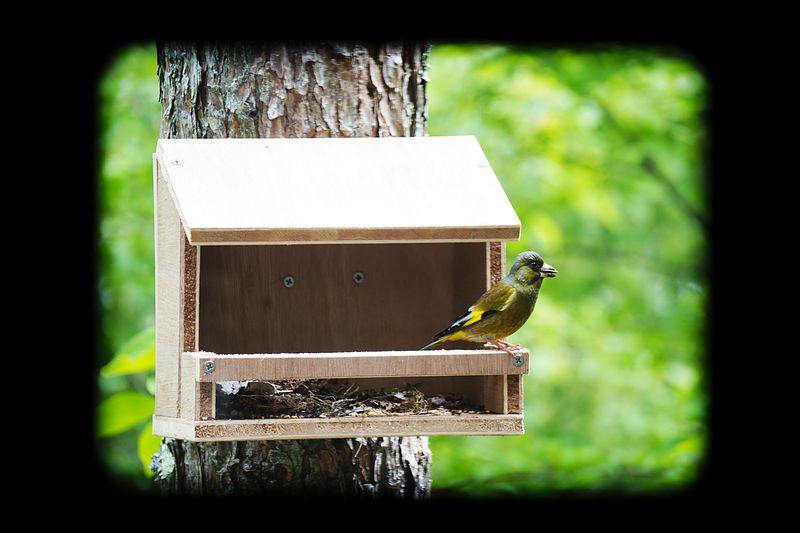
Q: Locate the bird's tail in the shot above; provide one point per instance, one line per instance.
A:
(437, 341)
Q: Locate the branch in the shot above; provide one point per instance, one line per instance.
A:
(649, 165)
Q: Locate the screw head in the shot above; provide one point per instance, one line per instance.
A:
(288, 282)
(359, 277)
(518, 360)
(176, 161)
(209, 366)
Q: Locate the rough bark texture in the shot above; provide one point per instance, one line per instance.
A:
(314, 90)
(213, 90)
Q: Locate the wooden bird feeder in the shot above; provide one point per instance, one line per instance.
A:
(288, 259)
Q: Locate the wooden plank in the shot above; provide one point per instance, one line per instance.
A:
(488, 266)
(169, 266)
(191, 273)
(206, 401)
(401, 188)
(188, 388)
(259, 367)
(333, 241)
(410, 292)
(515, 394)
(344, 235)
(197, 399)
(177, 428)
(333, 428)
(495, 394)
(495, 261)
(197, 300)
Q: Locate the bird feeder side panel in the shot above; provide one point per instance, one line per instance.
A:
(177, 271)
(169, 248)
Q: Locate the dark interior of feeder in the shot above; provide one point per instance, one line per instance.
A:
(354, 397)
(335, 297)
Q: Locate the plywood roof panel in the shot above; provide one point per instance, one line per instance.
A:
(336, 190)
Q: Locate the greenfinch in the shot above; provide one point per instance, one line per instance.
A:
(504, 308)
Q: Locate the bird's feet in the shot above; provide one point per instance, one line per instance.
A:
(505, 346)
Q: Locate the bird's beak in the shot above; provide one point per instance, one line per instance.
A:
(547, 271)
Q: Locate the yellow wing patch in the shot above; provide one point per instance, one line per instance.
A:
(476, 316)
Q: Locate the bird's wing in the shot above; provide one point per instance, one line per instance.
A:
(496, 299)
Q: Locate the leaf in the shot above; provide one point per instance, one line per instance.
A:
(147, 445)
(136, 355)
(122, 411)
(150, 384)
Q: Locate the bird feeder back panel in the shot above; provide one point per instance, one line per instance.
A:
(333, 298)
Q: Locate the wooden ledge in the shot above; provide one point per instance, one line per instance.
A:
(255, 367)
(334, 428)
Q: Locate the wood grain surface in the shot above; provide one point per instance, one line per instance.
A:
(409, 292)
(169, 297)
(336, 189)
(260, 367)
(344, 427)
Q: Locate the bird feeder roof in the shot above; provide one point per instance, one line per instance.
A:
(398, 189)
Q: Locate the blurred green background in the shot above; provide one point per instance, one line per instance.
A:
(602, 155)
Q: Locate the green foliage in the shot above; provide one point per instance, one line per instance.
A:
(147, 445)
(137, 355)
(129, 114)
(124, 418)
(122, 411)
(601, 154)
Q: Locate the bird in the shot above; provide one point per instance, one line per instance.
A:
(502, 309)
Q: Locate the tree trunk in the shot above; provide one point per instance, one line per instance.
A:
(298, 90)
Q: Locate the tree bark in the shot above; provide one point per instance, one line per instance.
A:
(210, 90)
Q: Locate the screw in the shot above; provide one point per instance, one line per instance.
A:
(359, 277)
(176, 161)
(518, 360)
(209, 366)
(288, 282)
